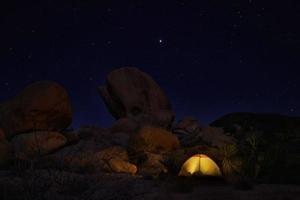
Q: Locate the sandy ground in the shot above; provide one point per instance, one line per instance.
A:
(260, 192)
(211, 190)
(125, 187)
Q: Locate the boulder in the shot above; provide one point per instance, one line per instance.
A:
(31, 145)
(91, 132)
(78, 156)
(185, 128)
(131, 93)
(191, 133)
(216, 136)
(74, 161)
(152, 165)
(188, 124)
(103, 137)
(79, 159)
(124, 125)
(120, 139)
(6, 153)
(114, 159)
(2, 135)
(153, 139)
(112, 152)
(120, 166)
(72, 137)
(122, 130)
(43, 105)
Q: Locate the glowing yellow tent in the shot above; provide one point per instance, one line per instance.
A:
(200, 165)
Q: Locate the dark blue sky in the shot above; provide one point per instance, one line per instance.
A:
(211, 57)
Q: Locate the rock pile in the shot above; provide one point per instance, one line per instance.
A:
(142, 140)
(31, 122)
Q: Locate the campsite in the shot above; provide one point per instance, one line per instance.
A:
(145, 154)
(149, 100)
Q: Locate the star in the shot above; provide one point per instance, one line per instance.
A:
(235, 26)
(181, 75)
(7, 86)
(29, 56)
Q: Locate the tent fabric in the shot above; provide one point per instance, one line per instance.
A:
(200, 165)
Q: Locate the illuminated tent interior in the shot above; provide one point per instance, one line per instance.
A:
(200, 165)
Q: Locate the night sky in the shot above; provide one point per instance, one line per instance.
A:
(211, 57)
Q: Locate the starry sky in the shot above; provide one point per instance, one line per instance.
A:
(211, 57)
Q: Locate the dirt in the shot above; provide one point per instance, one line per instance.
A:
(59, 185)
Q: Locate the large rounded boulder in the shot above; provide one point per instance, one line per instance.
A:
(131, 93)
(43, 105)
